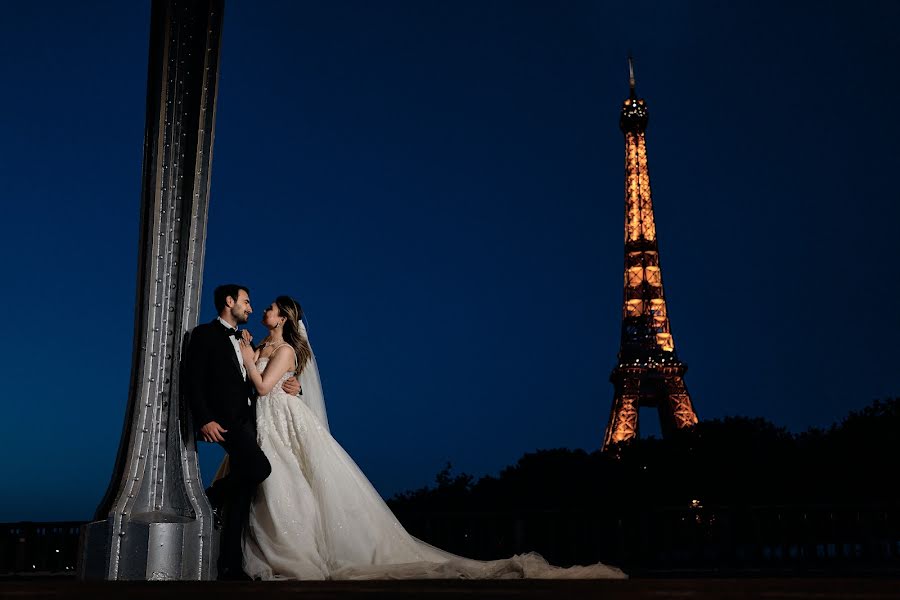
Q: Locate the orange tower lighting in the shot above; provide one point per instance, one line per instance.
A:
(648, 372)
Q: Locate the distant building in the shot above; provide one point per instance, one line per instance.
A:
(29, 547)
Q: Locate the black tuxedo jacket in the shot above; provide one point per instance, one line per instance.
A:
(215, 388)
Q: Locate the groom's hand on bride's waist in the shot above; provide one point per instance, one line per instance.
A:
(212, 432)
(291, 386)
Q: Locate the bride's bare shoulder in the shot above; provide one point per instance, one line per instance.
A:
(284, 350)
(271, 352)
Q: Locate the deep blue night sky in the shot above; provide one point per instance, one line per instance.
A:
(440, 184)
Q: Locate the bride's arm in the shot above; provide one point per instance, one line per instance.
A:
(279, 364)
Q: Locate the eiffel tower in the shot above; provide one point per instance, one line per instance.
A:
(649, 372)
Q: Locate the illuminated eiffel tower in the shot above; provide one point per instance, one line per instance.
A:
(648, 372)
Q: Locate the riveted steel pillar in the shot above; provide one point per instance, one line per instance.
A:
(155, 521)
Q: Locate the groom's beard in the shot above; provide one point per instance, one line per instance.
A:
(240, 318)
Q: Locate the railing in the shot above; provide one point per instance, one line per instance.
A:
(31, 547)
(791, 538)
(691, 538)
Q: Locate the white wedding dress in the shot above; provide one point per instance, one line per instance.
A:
(318, 517)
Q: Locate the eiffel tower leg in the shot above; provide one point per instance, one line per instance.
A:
(623, 418)
(676, 410)
(155, 521)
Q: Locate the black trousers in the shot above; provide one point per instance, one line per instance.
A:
(248, 468)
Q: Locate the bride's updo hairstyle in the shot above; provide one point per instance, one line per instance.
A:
(294, 333)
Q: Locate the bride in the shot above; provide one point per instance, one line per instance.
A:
(317, 516)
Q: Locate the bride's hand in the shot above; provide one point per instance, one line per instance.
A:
(248, 353)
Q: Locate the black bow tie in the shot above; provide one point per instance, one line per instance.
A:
(235, 333)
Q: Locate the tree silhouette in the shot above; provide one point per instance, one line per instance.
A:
(734, 461)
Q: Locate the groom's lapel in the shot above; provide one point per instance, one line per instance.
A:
(234, 360)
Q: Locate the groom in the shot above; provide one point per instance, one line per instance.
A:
(222, 402)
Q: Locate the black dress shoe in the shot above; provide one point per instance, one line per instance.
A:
(233, 575)
(217, 507)
(217, 517)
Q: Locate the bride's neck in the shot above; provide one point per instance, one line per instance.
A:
(275, 336)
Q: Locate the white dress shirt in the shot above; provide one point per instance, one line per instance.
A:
(237, 346)
(237, 351)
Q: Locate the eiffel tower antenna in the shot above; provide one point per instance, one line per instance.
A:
(631, 74)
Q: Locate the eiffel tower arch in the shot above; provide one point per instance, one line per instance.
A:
(649, 372)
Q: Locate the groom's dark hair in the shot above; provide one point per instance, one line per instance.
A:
(223, 291)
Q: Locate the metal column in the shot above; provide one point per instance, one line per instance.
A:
(155, 521)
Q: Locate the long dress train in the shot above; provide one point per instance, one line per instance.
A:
(318, 517)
